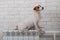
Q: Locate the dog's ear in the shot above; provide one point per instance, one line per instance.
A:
(34, 8)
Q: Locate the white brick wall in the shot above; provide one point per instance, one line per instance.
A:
(52, 14)
(13, 11)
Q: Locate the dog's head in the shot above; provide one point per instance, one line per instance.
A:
(38, 8)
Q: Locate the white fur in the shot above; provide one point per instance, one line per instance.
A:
(29, 21)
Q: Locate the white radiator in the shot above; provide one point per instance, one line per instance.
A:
(17, 35)
(30, 35)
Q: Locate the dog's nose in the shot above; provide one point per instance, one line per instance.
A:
(42, 8)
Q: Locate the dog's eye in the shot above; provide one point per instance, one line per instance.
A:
(40, 6)
(37, 7)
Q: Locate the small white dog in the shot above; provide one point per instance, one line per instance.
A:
(31, 20)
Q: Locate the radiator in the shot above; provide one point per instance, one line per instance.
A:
(30, 35)
(17, 35)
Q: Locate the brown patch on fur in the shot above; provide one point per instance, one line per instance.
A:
(36, 8)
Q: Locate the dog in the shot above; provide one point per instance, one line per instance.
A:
(32, 20)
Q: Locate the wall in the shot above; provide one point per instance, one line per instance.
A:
(52, 14)
(13, 11)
